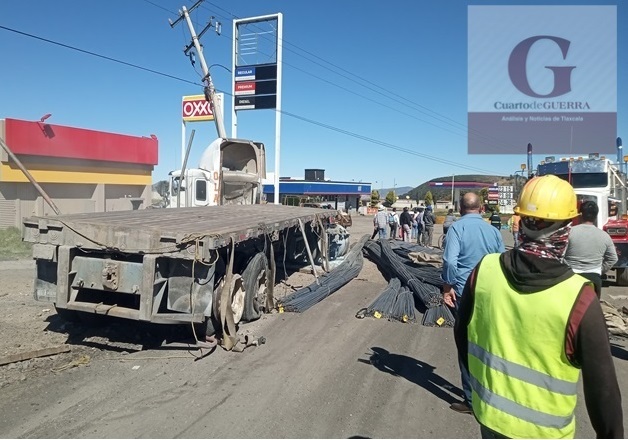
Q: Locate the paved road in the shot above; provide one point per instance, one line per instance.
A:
(322, 373)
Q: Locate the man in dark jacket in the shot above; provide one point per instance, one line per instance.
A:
(405, 220)
(428, 225)
(527, 325)
(495, 220)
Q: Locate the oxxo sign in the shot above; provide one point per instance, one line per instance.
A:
(197, 108)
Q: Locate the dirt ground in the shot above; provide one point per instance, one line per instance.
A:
(27, 325)
(321, 374)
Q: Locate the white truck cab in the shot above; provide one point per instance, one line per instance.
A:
(230, 172)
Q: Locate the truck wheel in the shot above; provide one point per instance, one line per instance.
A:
(622, 276)
(255, 284)
(237, 298)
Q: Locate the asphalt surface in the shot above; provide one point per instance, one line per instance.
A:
(321, 374)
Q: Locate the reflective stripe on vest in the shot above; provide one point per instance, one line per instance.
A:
(523, 384)
(523, 373)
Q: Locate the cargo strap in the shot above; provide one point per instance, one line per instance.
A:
(230, 340)
(270, 280)
(229, 333)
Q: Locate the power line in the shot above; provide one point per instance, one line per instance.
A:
(67, 46)
(386, 144)
(376, 88)
(293, 115)
(379, 103)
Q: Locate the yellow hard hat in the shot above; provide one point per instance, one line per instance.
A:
(549, 198)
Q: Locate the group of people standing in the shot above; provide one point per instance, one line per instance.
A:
(528, 320)
(417, 224)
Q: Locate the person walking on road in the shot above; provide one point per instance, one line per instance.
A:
(513, 226)
(393, 223)
(428, 226)
(380, 220)
(420, 227)
(468, 240)
(527, 325)
(405, 220)
(590, 251)
(450, 218)
(495, 220)
(415, 224)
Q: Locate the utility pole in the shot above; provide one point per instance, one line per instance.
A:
(529, 160)
(622, 176)
(210, 91)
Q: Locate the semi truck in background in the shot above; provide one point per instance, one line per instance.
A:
(603, 181)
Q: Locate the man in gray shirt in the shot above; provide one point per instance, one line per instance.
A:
(590, 251)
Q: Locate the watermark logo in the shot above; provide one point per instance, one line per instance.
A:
(518, 72)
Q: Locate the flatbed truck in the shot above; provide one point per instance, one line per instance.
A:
(172, 266)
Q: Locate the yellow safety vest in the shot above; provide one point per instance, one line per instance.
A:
(523, 385)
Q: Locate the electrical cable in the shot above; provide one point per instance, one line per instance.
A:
(378, 89)
(302, 118)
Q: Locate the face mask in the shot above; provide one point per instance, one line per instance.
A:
(548, 242)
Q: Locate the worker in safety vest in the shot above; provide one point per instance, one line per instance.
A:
(527, 325)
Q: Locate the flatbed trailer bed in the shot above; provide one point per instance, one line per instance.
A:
(167, 265)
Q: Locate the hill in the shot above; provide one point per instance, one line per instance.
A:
(418, 193)
(400, 190)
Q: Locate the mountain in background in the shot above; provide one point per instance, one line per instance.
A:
(439, 193)
(399, 190)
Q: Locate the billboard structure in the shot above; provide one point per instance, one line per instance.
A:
(256, 73)
(545, 75)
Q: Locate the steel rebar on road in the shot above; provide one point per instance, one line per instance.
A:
(428, 294)
(382, 306)
(403, 309)
(328, 283)
(439, 316)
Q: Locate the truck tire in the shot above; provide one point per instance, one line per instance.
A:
(238, 299)
(255, 281)
(622, 276)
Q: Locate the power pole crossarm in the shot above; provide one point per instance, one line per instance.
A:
(210, 91)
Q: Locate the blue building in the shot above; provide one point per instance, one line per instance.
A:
(315, 188)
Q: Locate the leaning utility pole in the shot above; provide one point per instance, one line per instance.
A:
(29, 176)
(210, 91)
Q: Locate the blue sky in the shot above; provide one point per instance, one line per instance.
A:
(394, 73)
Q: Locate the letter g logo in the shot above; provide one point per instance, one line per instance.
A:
(518, 74)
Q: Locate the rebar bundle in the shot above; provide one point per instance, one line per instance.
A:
(403, 248)
(423, 280)
(382, 307)
(428, 294)
(403, 310)
(439, 316)
(328, 283)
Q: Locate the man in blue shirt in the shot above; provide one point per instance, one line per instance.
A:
(467, 241)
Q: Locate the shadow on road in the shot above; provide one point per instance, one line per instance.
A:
(118, 335)
(415, 371)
